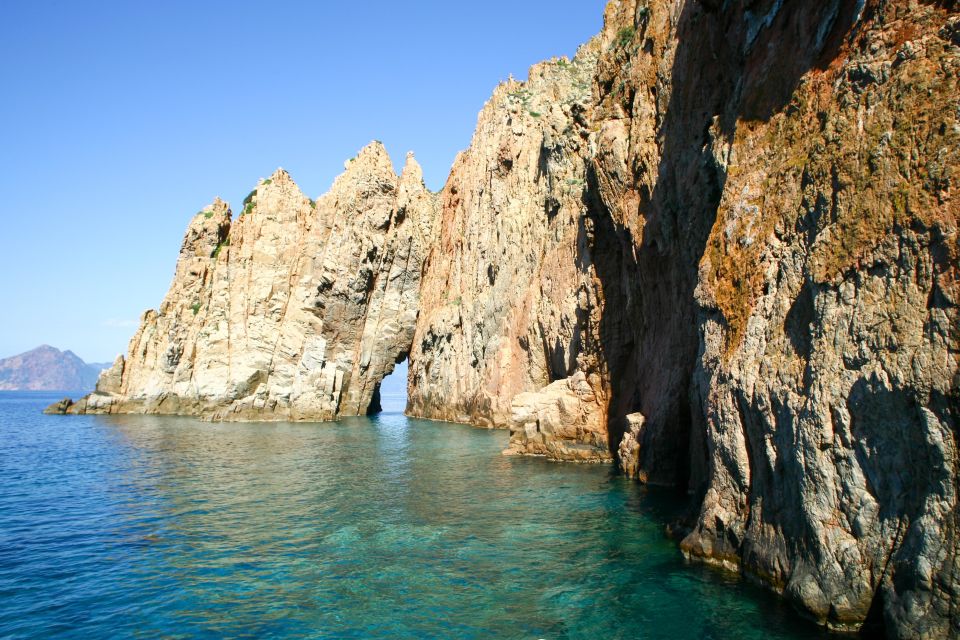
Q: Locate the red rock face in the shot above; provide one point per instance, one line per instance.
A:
(721, 242)
(510, 285)
(780, 178)
(766, 266)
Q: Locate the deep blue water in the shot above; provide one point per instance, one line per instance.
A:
(114, 527)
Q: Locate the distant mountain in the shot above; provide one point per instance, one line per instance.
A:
(48, 369)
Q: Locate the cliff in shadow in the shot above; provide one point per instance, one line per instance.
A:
(757, 291)
(780, 179)
(718, 246)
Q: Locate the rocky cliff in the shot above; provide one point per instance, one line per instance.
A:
(510, 282)
(718, 246)
(785, 176)
(752, 293)
(47, 368)
(295, 310)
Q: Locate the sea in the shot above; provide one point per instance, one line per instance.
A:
(382, 527)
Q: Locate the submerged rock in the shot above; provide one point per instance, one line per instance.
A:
(60, 407)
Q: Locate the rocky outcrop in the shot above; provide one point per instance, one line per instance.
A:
(47, 368)
(758, 280)
(785, 177)
(510, 282)
(628, 453)
(562, 421)
(296, 310)
(719, 245)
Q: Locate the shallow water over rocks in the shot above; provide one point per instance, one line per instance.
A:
(384, 527)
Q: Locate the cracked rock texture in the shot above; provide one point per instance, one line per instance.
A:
(753, 295)
(719, 245)
(296, 310)
(510, 282)
(783, 178)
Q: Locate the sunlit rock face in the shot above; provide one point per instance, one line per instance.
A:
(294, 310)
(753, 295)
(510, 292)
(719, 246)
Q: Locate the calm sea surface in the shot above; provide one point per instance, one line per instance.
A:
(114, 527)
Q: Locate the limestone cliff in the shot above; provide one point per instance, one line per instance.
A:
(295, 310)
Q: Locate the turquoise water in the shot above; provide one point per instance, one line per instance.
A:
(389, 527)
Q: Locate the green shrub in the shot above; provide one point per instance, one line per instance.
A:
(216, 252)
(196, 308)
(625, 36)
(267, 181)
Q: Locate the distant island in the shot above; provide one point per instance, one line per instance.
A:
(47, 368)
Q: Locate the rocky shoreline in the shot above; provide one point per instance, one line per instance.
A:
(719, 247)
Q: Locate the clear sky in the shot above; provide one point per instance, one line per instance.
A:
(119, 120)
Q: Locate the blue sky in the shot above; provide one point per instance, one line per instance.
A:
(121, 119)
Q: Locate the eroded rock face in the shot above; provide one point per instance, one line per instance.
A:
(766, 269)
(786, 174)
(510, 287)
(721, 243)
(296, 310)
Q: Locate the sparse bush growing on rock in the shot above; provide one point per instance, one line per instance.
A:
(216, 252)
(248, 202)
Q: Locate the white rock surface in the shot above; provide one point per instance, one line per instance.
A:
(296, 310)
